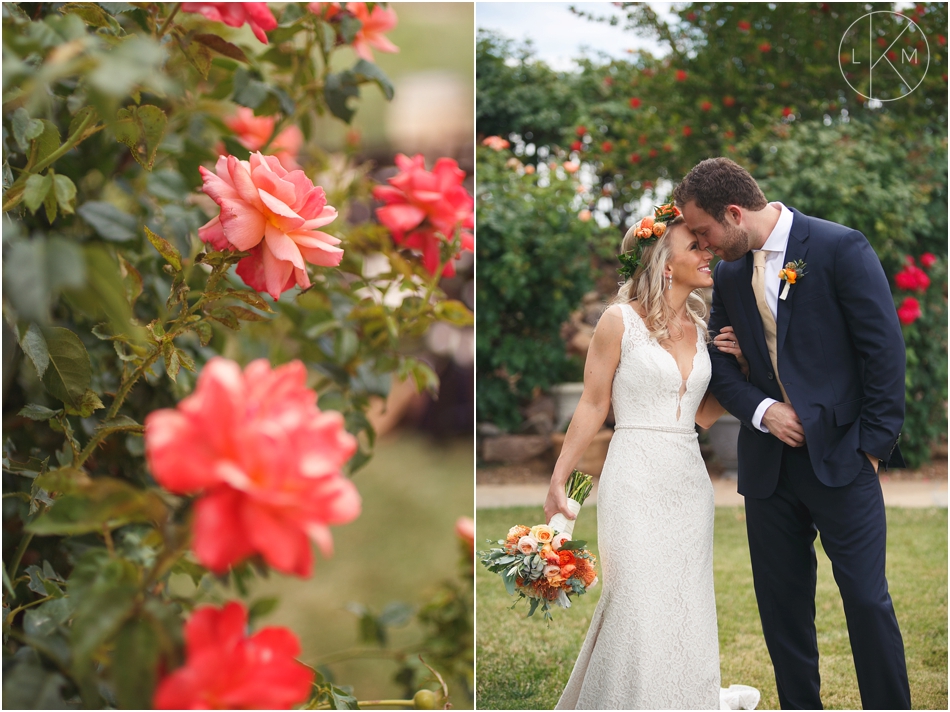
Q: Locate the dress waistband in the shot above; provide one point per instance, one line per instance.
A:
(660, 428)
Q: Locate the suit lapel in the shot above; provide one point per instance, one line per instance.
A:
(795, 250)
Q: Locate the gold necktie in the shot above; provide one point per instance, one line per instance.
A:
(768, 321)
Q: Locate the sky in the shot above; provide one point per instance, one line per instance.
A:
(558, 35)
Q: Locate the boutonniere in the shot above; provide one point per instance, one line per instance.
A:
(793, 272)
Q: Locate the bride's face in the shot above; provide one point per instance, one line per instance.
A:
(689, 264)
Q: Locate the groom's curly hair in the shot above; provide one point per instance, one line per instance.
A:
(716, 183)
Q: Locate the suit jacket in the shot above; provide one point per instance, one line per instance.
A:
(840, 356)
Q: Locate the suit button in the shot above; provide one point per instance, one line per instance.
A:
(770, 376)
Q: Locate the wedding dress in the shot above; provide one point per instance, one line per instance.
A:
(653, 639)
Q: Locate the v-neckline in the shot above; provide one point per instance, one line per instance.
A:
(684, 382)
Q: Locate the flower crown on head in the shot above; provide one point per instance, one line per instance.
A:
(647, 231)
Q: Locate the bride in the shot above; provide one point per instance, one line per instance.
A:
(653, 640)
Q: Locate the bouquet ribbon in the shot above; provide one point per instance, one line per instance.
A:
(562, 524)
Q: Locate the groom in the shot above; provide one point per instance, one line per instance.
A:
(821, 409)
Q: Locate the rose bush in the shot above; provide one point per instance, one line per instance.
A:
(137, 251)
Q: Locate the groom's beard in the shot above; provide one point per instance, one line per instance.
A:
(734, 243)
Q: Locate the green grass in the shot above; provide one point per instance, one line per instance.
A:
(524, 664)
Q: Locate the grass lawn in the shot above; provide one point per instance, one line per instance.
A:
(524, 664)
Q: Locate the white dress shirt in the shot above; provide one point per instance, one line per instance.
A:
(775, 260)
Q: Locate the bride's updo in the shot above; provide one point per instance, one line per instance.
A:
(647, 283)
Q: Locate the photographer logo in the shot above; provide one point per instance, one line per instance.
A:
(884, 56)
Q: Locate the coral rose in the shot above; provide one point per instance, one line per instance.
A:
(527, 544)
(543, 533)
(551, 570)
(424, 209)
(375, 22)
(571, 166)
(263, 460)
(566, 557)
(909, 311)
(253, 132)
(518, 531)
(275, 214)
(227, 669)
(234, 14)
(465, 528)
(496, 143)
(659, 229)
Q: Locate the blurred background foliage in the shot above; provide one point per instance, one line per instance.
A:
(108, 111)
(759, 83)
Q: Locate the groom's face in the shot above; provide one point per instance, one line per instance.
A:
(725, 239)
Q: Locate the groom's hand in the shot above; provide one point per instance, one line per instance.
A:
(783, 423)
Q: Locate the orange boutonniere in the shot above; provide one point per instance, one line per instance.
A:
(793, 272)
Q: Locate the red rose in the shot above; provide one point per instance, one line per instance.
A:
(606, 147)
(634, 157)
(728, 101)
(667, 147)
(235, 14)
(580, 130)
(680, 75)
(577, 146)
(912, 278)
(729, 134)
(786, 112)
(765, 47)
(928, 260)
(744, 26)
(881, 42)
(909, 311)
(687, 131)
(706, 105)
(653, 153)
(691, 17)
(635, 103)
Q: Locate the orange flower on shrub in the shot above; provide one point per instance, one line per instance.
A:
(227, 669)
(424, 209)
(374, 23)
(263, 460)
(253, 132)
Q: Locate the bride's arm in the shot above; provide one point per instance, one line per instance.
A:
(602, 360)
(710, 410)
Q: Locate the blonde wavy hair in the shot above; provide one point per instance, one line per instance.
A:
(647, 285)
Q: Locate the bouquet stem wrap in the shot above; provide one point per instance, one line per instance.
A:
(561, 523)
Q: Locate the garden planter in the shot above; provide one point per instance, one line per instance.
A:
(592, 461)
(723, 436)
(566, 398)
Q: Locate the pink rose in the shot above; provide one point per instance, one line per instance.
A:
(253, 132)
(235, 14)
(558, 540)
(423, 210)
(225, 668)
(264, 461)
(274, 213)
(374, 24)
(465, 528)
(527, 544)
(496, 143)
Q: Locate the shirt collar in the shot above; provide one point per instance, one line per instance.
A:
(778, 239)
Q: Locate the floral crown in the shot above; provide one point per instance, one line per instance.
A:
(647, 231)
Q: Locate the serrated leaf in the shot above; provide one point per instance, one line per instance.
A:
(426, 379)
(50, 204)
(62, 480)
(108, 221)
(221, 46)
(251, 298)
(337, 91)
(105, 503)
(37, 412)
(132, 279)
(225, 317)
(87, 406)
(246, 314)
(91, 14)
(44, 144)
(454, 312)
(204, 331)
(172, 364)
(65, 191)
(35, 192)
(186, 361)
(141, 128)
(368, 72)
(165, 249)
(79, 118)
(25, 129)
(34, 346)
(69, 372)
(198, 54)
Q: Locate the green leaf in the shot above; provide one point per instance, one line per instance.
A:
(25, 129)
(105, 503)
(135, 666)
(261, 607)
(337, 91)
(221, 46)
(50, 203)
(368, 72)
(141, 128)
(44, 144)
(198, 54)
(327, 36)
(87, 405)
(62, 480)
(204, 331)
(37, 412)
(225, 317)
(65, 191)
(35, 191)
(246, 314)
(349, 26)
(91, 14)
(119, 424)
(79, 117)
(342, 700)
(396, 613)
(108, 221)
(105, 293)
(426, 379)
(454, 312)
(248, 297)
(33, 344)
(172, 364)
(165, 249)
(69, 372)
(250, 94)
(28, 685)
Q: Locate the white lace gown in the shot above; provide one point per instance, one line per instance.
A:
(653, 640)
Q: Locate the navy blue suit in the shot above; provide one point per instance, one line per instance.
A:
(841, 359)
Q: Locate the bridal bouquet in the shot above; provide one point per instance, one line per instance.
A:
(542, 563)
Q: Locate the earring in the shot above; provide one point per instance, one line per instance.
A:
(669, 281)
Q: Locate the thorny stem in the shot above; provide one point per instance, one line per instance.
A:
(12, 614)
(18, 556)
(127, 385)
(168, 21)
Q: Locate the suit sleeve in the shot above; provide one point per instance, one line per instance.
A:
(728, 383)
(865, 298)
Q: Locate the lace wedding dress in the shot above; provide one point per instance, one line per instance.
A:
(653, 639)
